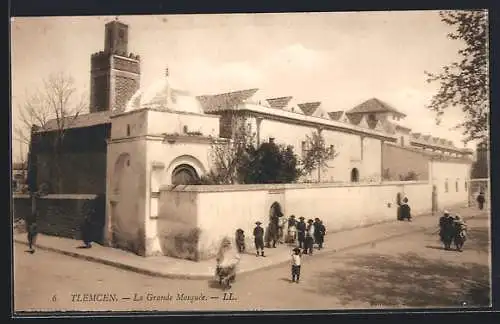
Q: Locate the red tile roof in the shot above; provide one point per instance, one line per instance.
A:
(372, 106)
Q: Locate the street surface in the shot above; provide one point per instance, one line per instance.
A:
(404, 272)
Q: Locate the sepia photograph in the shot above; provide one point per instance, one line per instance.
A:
(251, 162)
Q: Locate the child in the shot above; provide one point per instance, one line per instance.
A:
(258, 234)
(240, 240)
(296, 258)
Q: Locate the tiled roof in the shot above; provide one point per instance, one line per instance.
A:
(372, 106)
(225, 100)
(354, 119)
(86, 120)
(335, 115)
(309, 107)
(279, 103)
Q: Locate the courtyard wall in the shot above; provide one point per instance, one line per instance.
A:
(212, 212)
(63, 215)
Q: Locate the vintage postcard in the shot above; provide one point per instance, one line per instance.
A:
(241, 162)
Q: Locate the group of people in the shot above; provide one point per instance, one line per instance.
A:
(305, 235)
(280, 230)
(452, 229)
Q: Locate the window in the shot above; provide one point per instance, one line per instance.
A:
(121, 34)
(128, 130)
(465, 185)
(304, 148)
(446, 186)
(402, 141)
(185, 129)
(456, 186)
(184, 174)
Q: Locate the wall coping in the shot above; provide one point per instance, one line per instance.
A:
(160, 110)
(58, 196)
(281, 187)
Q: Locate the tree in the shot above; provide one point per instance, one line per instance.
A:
(464, 84)
(229, 158)
(317, 154)
(271, 163)
(238, 160)
(53, 109)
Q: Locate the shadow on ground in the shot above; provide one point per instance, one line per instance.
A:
(406, 280)
(479, 239)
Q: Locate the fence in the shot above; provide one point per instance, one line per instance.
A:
(474, 186)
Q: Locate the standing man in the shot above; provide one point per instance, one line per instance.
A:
(32, 228)
(446, 229)
(273, 231)
(309, 237)
(316, 231)
(301, 232)
(480, 200)
(258, 233)
(321, 234)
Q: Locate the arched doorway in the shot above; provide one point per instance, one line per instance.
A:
(354, 175)
(185, 174)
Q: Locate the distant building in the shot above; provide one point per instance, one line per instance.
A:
(19, 175)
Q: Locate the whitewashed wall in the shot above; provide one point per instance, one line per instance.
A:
(452, 173)
(220, 210)
(126, 195)
(160, 122)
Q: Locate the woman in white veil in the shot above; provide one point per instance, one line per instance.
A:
(227, 259)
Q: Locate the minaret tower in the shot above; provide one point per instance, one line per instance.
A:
(115, 73)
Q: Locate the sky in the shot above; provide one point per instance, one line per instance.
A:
(340, 59)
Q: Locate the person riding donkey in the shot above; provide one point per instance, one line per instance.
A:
(227, 260)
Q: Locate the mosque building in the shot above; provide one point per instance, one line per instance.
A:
(136, 140)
